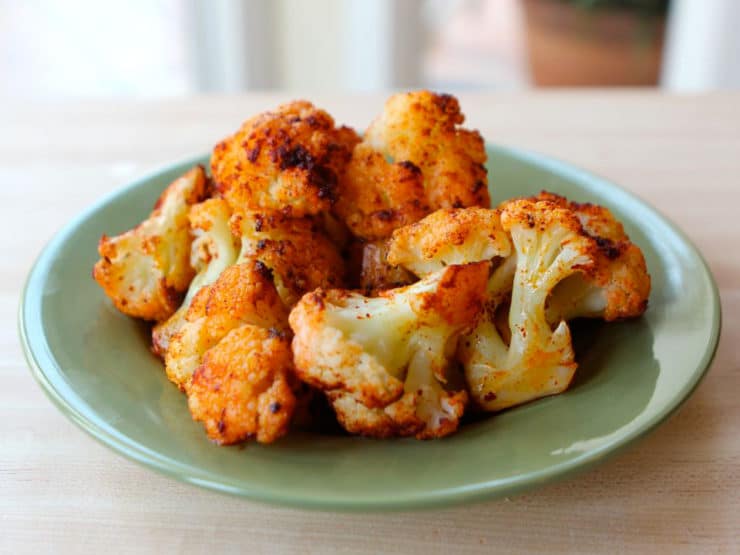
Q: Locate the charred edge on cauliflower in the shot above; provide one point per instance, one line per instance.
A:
(377, 196)
(289, 159)
(298, 255)
(619, 285)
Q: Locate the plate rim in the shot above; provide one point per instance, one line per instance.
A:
(444, 497)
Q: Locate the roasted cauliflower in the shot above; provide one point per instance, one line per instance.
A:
(286, 160)
(378, 196)
(241, 390)
(298, 255)
(384, 361)
(213, 250)
(449, 236)
(321, 279)
(619, 285)
(242, 294)
(146, 270)
(550, 245)
(414, 159)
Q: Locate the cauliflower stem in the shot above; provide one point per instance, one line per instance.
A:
(213, 250)
(549, 246)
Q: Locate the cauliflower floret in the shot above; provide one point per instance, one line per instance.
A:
(289, 159)
(598, 221)
(299, 256)
(383, 361)
(445, 237)
(242, 389)
(242, 294)
(423, 128)
(378, 196)
(413, 159)
(619, 285)
(145, 270)
(550, 245)
(213, 250)
(449, 236)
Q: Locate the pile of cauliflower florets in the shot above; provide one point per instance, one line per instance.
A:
(369, 273)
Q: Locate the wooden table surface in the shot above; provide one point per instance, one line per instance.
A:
(676, 491)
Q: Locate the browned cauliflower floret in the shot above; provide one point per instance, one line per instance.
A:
(299, 256)
(243, 294)
(384, 361)
(213, 250)
(146, 270)
(596, 220)
(378, 196)
(424, 128)
(241, 390)
(414, 159)
(619, 285)
(289, 159)
(449, 236)
(550, 245)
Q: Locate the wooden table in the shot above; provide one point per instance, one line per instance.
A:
(678, 490)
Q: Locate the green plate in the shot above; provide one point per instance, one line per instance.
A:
(94, 363)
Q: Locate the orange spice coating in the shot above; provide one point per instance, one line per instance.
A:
(241, 390)
(620, 271)
(413, 159)
(146, 270)
(288, 159)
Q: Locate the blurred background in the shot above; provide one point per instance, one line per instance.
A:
(166, 48)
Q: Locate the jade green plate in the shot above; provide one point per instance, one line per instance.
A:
(94, 363)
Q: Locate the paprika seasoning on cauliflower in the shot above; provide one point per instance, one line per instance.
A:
(619, 285)
(552, 260)
(414, 158)
(213, 250)
(146, 270)
(385, 361)
(550, 245)
(449, 236)
(243, 294)
(242, 388)
(457, 301)
(288, 159)
(295, 250)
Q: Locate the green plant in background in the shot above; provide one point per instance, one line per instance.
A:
(647, 7)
